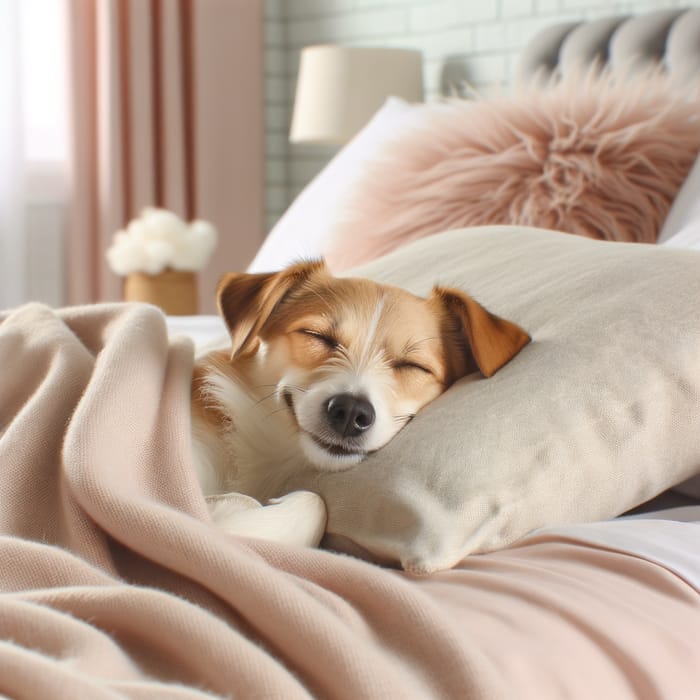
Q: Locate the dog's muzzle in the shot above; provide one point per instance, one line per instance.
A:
(349, 415)
(333, 438)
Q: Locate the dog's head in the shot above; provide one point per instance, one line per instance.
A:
(353, 360)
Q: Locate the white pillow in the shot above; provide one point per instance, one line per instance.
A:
(302, 230)
(597, 415)
(682, 230)
(688, 236)
(206, 332)
(682, 226)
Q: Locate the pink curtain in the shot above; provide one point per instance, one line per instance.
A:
(167, 111)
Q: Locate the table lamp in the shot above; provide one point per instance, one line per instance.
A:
(340, 87)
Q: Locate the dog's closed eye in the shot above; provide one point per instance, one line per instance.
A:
(328, 340)
(410, 365)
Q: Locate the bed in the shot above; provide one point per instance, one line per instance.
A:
(533, 535)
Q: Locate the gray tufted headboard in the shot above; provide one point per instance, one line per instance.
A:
(668, 37)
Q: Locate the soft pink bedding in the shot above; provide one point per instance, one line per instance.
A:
(115, 584)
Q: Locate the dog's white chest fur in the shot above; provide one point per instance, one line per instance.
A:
(255, 450)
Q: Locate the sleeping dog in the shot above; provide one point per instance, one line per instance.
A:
(322, 371)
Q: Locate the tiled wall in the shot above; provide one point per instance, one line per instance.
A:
(478, 39)
(278, 80)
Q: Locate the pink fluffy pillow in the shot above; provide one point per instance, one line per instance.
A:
(597, 156)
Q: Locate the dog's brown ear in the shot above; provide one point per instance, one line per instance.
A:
(247, 300)
(493, 340)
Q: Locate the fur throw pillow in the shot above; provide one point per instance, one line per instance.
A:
(598, 155)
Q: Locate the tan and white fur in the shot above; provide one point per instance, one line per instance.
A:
(321, 372)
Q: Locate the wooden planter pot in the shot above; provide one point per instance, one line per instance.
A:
(174, 291)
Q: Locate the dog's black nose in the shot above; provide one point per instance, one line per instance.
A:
(349, 415)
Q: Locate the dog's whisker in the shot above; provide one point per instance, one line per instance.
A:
(286, 386)
(294, 387)
(264, 398)
(274, 394)
(277, 410)
(413, 345)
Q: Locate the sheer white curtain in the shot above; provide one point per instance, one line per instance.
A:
(33, 150)
(12, 270)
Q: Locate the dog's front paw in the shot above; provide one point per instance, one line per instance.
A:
(297, 518)
(306, 516)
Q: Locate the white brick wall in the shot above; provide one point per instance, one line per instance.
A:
(276, 111)
(481, 38)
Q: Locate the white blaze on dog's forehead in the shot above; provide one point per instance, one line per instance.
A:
(372, 327)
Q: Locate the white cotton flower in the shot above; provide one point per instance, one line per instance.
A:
(159, 239)
(126, 255)
(159, 255)
(183, 258)
(205, 234)
(163, 224)
(196, 247)
(138, 231)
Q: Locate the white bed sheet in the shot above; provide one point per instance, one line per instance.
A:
(669, 537)
(205, 331)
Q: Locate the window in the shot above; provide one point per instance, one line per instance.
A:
(34, 149)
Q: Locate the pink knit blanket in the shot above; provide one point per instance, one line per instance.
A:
(115, 584)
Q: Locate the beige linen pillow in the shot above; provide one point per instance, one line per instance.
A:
(598, 414)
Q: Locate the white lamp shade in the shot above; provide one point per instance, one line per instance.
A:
(340, 87)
